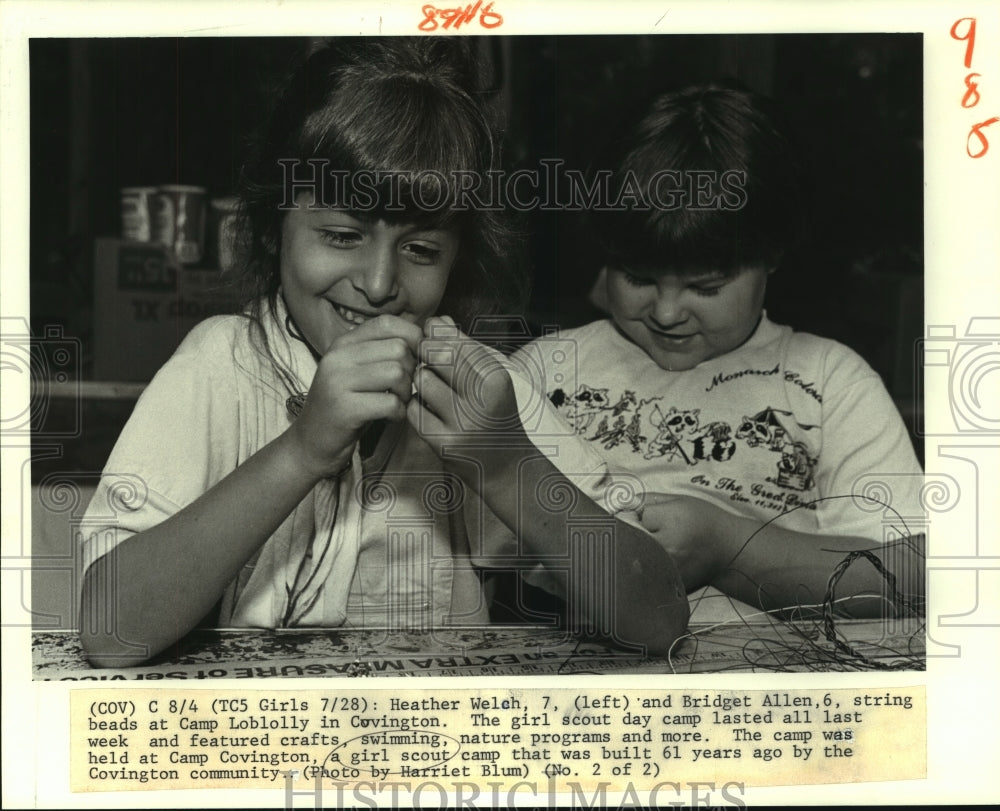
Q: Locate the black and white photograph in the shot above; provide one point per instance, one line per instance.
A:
(489, 353)
(659, 256)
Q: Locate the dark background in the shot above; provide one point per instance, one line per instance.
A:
(123, 112)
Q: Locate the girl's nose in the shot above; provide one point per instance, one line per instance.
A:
(378, 280)
(668, 309)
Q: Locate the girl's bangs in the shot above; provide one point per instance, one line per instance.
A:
(389, 157)
(688, 243)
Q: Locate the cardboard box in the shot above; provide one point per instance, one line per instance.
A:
(145, 302)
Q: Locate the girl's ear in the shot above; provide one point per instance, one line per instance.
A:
(599, 291)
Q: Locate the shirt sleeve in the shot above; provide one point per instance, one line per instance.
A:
(181, 438)
(869, 476)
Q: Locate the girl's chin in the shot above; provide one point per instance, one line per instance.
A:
(670, 365)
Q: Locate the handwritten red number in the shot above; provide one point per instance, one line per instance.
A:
(428, 23)
(457, 17)
(969, 37)
(971, 91)
(495, 19)
(471, 11)
(976, 130)
(971, 97)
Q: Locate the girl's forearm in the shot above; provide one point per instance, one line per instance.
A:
(155, 586)
(630, 582)
(772, 567)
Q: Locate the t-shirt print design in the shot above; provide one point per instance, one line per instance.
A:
(654, 430)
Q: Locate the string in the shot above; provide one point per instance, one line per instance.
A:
(798, 642)
(901, 529)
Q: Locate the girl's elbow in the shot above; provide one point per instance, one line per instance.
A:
(105, 651)
(104, 642)
(662, 636)
(658, 637)
(105, 661)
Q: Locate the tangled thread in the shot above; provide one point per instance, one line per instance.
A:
(799, 640)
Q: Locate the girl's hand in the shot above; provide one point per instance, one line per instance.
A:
(697, 535)
(366, 375)
(464, 394)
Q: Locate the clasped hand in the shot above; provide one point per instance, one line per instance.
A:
(698, 535)
(452, 389)
(465, 402)
(365, 375)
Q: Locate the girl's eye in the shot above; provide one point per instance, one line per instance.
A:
(340, 239)
(709, 290)
(421, 253)
(636, 281)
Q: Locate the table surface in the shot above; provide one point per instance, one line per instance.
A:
(768, 645)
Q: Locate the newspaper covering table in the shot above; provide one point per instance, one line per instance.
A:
(773, 646)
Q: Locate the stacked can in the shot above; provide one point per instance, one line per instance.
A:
(137, 212)
(222, 231)
(177, 217)
(179, 221)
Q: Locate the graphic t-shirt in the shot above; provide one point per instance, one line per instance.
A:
(788, 427)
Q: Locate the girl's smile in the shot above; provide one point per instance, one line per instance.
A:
(339, 270)
(353, 317)
(677, 336)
